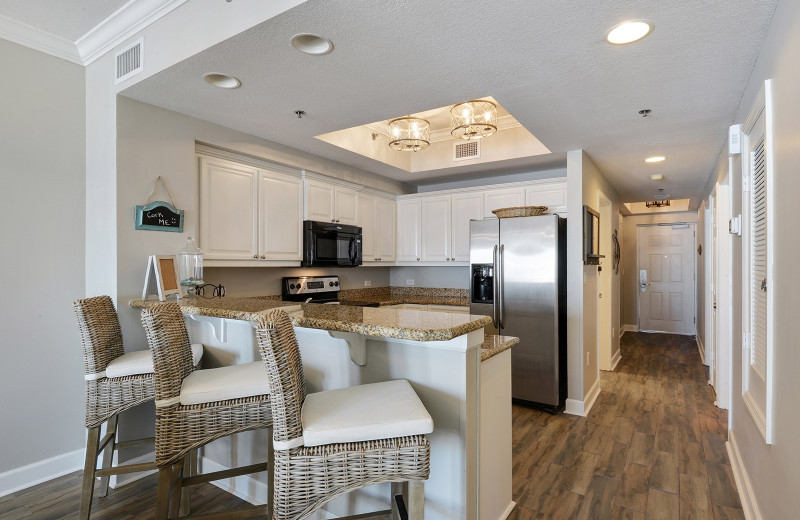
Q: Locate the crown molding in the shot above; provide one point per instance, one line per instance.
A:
(39, 40)
(129, 20)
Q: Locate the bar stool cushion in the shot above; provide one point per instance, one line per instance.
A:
(141, 362)
(363, 413)
(224, 383)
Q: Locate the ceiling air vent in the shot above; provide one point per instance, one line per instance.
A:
(129, 61)
(466, 150)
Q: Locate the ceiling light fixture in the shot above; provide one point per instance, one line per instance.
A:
(409, 134)
(655, 159)
(628, 32)
(657, 177)
(222, 80)
(312, 44)
(473, 119)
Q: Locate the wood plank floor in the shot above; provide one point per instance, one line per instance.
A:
(652, 447)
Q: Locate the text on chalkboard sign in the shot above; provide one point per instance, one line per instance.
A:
(159, 216)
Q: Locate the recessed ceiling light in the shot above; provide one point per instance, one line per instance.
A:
(657, 158)
(657, 177)
(627, 32)
(222, 80)
(312, 44)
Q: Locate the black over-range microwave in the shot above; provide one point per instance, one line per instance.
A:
(326, 244)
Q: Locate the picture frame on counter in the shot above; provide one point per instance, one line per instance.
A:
(161, 277)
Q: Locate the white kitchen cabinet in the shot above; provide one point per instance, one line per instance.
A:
(455, 309)
(280, 223)
(366, 221)
(385, 229)
(464, 207)
(436, 229)
(554, 197)
(319, 201)
(327, 202)
(502, 198)
(409, 230)
(345, 209)
(228, 210)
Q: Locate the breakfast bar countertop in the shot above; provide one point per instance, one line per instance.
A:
(371, 321)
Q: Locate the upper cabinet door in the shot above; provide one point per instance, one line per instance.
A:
(408, 230)
(228, 215)
(281, 207)
(319, 201)
(465, 207)
(503, 198)
(554, 197)
(366, 220)
(436, 229)
(385, 229)
(345, 206)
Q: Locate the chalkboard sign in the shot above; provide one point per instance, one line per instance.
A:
(159, 216)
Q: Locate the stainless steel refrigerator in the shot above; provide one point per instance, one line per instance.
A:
(518, 277)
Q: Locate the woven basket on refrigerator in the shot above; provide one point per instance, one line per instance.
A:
(520, 211)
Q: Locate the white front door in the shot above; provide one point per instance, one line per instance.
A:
(666, 278)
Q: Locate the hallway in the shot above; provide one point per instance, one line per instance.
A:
(652, 447)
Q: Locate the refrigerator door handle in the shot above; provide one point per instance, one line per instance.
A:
(501, 308)
(495, 289)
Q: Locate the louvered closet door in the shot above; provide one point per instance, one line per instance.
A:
(666, 254)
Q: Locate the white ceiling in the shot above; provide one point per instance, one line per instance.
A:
(546, 62)
(68, 19)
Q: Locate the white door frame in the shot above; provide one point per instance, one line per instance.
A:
(724, 290)
(693, 227)
(708, 300)
(604, 284)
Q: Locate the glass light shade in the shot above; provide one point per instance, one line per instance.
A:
(473, 119)
(409, 134)
(190, 266)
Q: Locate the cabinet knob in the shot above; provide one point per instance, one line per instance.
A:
(263, 257)
(255, 256)
(417, 259)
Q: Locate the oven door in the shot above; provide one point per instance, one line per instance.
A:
(331, 248)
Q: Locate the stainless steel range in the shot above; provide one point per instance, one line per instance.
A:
(311, 289)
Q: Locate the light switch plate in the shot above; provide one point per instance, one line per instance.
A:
(410, 281)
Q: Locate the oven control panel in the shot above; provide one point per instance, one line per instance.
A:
(310, 284)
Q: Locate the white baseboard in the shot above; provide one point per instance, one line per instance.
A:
(615, 359)
(628, 328)
(508, 510)
(23, 477)
(702, 350)
(582, 408)
(746, 492)
(248, 488)
(117, 481)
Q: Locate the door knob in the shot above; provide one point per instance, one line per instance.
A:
(764, 285)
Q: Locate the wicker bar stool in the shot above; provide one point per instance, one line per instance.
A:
(330, 443)
(115, 381)
(194, 408)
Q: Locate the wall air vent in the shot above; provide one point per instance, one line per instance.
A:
(129, 61)
(467, 150)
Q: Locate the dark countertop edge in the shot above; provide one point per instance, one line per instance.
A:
(491, 348)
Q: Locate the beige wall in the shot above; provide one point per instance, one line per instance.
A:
(42, 140)
(774, 470)
(584, 181)
(629, 270)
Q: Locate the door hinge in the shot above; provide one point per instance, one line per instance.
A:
(746, 183)
(694, 320)
(745, 341)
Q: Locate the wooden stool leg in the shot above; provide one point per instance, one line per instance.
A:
(270, 476)
(398, 488)
(416, 499)
(190, 469)
(108, 455)
(92, 443)
(162, 493)
(177, 488)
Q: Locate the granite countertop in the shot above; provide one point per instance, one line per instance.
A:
(247, 309)
(390, 323)
(414, 295)
(493, 345)
(371, 321)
